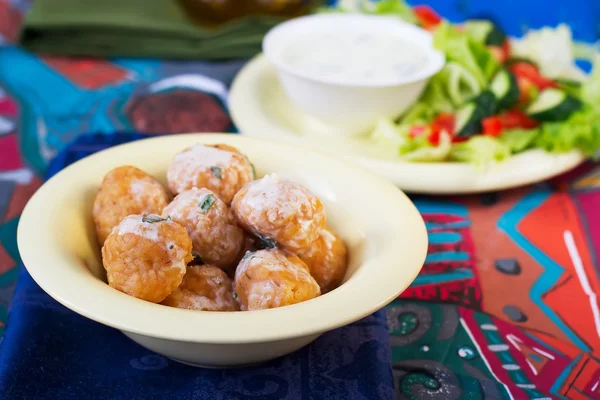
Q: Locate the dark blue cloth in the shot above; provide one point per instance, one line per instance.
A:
(50, 352)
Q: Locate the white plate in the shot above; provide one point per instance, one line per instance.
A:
(260, 108)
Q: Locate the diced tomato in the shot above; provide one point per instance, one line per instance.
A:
(443, 122)
(492, 126)
(417, 130)
(526, 88)
(427, 17)
(458, 139)
(497, 53)
(434, 137)
(506, 48)
(530, 72)
(512, 119)
(501, 53)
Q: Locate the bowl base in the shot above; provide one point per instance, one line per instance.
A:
(192, 364)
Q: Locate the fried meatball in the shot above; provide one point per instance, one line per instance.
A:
(272, 278)
(327, 260)
(283, 211)
(216, 237)
(204, 288)
(125, 191)
(146, 256)
(220, 168)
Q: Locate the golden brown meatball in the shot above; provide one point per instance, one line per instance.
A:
(272, 278)
(280, 210)
(327, 260)
(220, 168)
(205, 288)
(125, 191)
(146, 256)
(216, 237)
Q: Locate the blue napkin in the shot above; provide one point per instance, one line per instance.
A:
(50, 352)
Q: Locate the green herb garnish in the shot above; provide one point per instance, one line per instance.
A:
(235, 296)
(207, 202)
(248, 255)
(152, 218)
(217, 172)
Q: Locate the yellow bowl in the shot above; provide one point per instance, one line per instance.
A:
(384, 232)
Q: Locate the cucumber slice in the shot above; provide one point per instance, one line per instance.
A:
(487, 103)
(553, 105)
(468, 120)
(469, 116)
(485, 32)
(505, 88)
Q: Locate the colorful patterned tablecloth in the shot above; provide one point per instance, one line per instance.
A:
(506, 306)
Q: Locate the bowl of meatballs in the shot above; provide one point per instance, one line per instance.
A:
(219, 250)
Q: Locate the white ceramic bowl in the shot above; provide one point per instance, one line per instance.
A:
(352, 107)
(384, 232)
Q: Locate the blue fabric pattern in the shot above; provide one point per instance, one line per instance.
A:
(50, 352)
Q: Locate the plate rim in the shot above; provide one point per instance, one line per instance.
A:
(251, 120)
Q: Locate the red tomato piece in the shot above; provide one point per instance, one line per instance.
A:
(492, 126)
(501, 53)
(531, 73)
(512, 119)
(443, 122)
(434, 137)
(506, 48)
(427, 17)
(417, 130)
(526, 87)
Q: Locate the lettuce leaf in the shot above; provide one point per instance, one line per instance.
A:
(420, 113)
(467, 52)
(469, 69)
(557, 63)
(428, 153)
(480, 150)
(395, 7)
(518, 140)
(387, 133)
(580, 132)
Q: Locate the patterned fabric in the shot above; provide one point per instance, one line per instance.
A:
(506, 306)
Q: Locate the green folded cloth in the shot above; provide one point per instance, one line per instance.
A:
(136, 28)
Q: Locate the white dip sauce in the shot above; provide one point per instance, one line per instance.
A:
(355, 56)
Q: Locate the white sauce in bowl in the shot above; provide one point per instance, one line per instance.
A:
(355, 56)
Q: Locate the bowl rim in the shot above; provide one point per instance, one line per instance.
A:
(436, 59)
(397, 265)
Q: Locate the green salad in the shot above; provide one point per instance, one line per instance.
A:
(496, 96)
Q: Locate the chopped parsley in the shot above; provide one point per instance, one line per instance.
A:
(207, 202)
(217, 172)
(152, 218)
